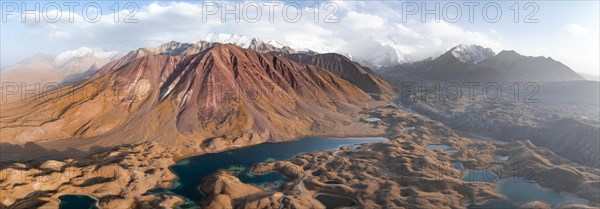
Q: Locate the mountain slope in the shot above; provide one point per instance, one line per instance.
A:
(345, 68)
(338, 64)
(524, 68)
(472, 53)
(454, 65)
(189, 98)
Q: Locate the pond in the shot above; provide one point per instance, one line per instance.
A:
(372, 119)
(520, 190)
(480, 176)
(190, 171)
(458, 165)
(335, 201)
(502, 157)
(437, 147)
(72, 201)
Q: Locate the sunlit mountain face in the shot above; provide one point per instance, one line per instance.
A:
(323, 104)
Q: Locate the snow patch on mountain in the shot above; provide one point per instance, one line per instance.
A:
(235, 39)
(369, 52)
(471, 53)
(276, 44)
(64, 57)
(374, 54)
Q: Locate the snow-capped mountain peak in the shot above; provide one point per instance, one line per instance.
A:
(235, 39)
(64, 57)
(373, 53)
(276, 44)
(369, 52)
(471, 53)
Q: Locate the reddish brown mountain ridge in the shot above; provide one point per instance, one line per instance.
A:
(363, 77)
(189, 99)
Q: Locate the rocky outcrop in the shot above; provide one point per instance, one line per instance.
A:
(534, 205)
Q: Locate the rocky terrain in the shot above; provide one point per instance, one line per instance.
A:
(118, 179)
(402, 173)
(567, 126)
(532, 98)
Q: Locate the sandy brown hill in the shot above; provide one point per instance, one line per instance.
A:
(186, 99)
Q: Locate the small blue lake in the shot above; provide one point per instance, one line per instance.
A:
(334, 201)
(72, 201)
(372, 119)
(520, 190)
(437, 147)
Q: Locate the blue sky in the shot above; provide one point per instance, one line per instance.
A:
(566, 30)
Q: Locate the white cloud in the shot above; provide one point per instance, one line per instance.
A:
(59, 34)
(359, 22)
(575, 29)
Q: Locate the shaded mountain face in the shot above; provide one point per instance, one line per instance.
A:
(360, 76)
(446, 67)
(474, 63)
(524, 68)
(221, 90)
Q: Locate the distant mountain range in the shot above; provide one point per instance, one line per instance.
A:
(463, 62)
(476, 63)
(590, 77)
(68, 66)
